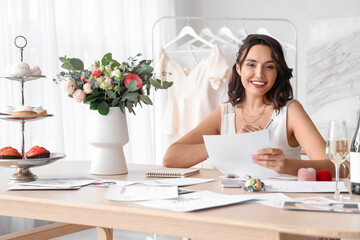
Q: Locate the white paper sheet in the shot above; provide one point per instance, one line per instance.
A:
(140, 193)
(180, 182)
(302, 186)
(59, 182)
(196, 201)
(232, 154)
(17, 186)
(109, 182)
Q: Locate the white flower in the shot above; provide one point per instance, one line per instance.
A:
(99, 80)
(116, 73)
(108, 70)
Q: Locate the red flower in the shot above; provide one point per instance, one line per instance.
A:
(323, 175)
(84, 79)
(130, 77)
(95, 72)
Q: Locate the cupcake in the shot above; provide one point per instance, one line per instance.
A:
(6, 110)
(9, 153)
(39, 110)
(37, 152)
(35, 71)
(20, 69)
(23, 110)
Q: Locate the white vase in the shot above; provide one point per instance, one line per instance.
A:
(108, 135)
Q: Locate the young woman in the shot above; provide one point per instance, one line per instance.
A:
(260, 94)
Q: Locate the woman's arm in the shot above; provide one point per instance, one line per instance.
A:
(190, 149)
(301, 130)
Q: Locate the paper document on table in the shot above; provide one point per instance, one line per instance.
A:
(60, 182)
(109, 182)
(140, 193)
(17, 187)
(196, 201)
(232, 154)
(180, 182)
(302, 186)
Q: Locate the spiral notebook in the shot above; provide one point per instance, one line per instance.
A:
(171, 172)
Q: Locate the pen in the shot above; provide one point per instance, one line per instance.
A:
(267, 125)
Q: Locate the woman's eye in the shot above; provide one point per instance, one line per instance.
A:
(270, 67)
(251, 65)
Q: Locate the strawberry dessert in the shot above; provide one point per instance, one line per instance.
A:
(37, 152)
(9, 153)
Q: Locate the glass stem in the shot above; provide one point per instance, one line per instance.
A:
(337, 166)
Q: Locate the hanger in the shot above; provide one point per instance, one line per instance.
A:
(225, 31)
(242, 33)
(187, 30)
(263, 30)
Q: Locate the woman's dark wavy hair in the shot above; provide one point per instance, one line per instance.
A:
(282, 91)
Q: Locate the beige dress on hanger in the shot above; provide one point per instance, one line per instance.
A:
(194, 94)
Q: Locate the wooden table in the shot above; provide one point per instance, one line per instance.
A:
(85, 208)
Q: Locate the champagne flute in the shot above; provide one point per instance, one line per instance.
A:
(337, 150)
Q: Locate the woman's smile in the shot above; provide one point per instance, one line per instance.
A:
(258, 84)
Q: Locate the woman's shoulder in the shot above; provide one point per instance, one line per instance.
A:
(294, 105)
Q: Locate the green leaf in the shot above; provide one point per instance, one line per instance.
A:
(130, 96)
(77, 64)
(155, 83)
(87, 74)
(103, 108)
(167, 84)
(64, 59)
(145, 69)
(132, 86)
(129, 107)
(122, 106)
(106, 59)
(93, 107)
(90, 98)
(95, 104)
(67, 65)
(115, 63)
(146, 99)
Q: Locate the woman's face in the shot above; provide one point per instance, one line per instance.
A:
(258, 72)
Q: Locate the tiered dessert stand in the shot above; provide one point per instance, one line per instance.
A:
(23, 173)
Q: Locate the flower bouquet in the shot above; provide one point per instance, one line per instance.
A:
(109, 84)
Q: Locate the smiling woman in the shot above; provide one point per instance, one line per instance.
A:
(259, 94)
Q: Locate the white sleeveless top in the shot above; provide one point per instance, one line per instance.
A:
(277, 129)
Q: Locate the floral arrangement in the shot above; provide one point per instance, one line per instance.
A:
(108, 83)
(254, 185)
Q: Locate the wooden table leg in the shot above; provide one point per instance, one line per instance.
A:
(105, 233)
(45, 232)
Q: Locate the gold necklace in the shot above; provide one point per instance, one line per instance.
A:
(260, 114)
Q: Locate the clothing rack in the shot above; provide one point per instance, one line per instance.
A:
(173, 25)
(226, 21)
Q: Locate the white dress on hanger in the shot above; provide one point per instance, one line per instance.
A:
(194, 94)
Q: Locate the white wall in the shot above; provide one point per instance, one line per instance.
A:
(302, 14)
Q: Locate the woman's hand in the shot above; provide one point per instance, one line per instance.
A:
(249, 128)
(272, 158)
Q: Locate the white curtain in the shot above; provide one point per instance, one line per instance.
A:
(86, 29)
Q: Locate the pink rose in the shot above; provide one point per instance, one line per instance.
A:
(130, 77)
(79, 95)
(84, 79)
(87, 88)
(70, 86)
(95, 72)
